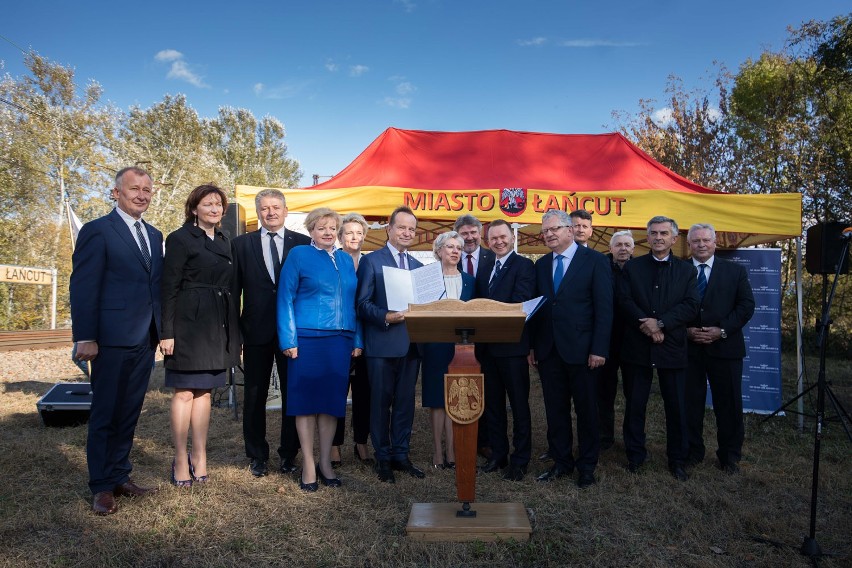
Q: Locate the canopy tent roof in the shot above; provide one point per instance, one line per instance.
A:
(517, 176)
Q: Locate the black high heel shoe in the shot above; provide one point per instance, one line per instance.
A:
(203, 478)
(179, 482)
(365, 461)
(308, 487)
(328, 482)
(448, 464)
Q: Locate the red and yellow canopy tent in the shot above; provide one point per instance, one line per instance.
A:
(517, 176)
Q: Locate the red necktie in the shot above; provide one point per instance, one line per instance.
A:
(470, 264)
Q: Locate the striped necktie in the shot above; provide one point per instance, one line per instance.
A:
(702, 280)
(143, 246)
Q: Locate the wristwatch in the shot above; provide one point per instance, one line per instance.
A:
(661, 324)
(723, 333)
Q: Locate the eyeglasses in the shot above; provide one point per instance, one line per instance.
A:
(553, 229)
(452, 247)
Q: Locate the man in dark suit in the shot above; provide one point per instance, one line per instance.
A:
(509, 278)
(621, 247)
(658, 297)
(259, 256)
(115, 309)
(392, 360)
(474, 260)
(716, 349)
(570, 337)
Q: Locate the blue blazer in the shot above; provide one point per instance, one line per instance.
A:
(380, 339)
(577, 319)
(114, 299)
(314, 297)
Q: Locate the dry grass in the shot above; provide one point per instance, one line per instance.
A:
(757, 518)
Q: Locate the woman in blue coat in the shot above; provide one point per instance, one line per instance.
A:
(318, 331)
(447, 249)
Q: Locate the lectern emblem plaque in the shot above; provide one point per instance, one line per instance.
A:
(464, 397)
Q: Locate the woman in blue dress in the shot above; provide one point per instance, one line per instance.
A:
(437, 356)
(318, 331)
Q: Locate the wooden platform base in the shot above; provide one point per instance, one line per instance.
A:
(437, 522)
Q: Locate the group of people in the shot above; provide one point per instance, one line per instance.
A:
(319, 312)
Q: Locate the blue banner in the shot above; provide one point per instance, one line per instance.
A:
(762, 363)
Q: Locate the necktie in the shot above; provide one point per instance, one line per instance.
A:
(559, 273)
(276, 260)
(470, 264)
(494, 278)
(143, 246)
(402, 260)
(702, 280)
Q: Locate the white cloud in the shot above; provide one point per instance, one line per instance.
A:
(258, 88)
(408, 5)
(662, 117)
(358, 70)
(597, 43)
(179, 68)
(181, 71)
(285, 91)
(168, 55)
(398, 102)
(536, 41)
(331, 66)
(714, 114)
(405, 88)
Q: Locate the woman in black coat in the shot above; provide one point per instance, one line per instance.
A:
(200, 338)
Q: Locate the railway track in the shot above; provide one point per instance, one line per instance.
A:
(39, 339)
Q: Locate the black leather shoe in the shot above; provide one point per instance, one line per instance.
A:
(693, 461)
(258, 467)
(308, 487)
(514, 472)
(384, 471)
(554, 472)
(328, 481)
(635, 467)
(586, 479)
(731, 468)
(288, 466)
(607, 444)
(408, 467)
(494, 465)
(545, 457)
(679, 473)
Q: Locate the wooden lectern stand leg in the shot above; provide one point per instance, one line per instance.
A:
(465, 405)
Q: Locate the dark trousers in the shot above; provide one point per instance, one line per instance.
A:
(637, 389)
(257, 363)
(607, 389)
(119, 381)
(560, 384)
(392, 388)
(726, 386)
(508, 376)
(359, 384)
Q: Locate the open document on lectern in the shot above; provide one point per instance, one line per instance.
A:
(419, 286)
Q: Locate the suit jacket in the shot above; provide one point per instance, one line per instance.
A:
(662, 290)
(115, 300)
(728, 303)
(199, 311)
(380, 339)
(514, 284)
(258, 319)
(485, 256)
(577, 319)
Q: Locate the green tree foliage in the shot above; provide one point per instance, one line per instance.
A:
(58, 141)
(781, 123)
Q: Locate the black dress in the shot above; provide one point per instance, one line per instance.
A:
(198, 310)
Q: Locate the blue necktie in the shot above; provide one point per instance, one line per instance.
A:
(559, 273)
(143, 246)
(494, 278)
(702, 280)
(402, 260)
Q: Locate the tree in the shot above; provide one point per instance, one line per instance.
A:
(254, 153)
(53, 145)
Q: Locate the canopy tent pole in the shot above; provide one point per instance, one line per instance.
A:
(799, 346)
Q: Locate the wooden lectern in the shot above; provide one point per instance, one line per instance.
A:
(463, 323)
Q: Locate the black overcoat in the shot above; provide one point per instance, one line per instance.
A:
(199, 311)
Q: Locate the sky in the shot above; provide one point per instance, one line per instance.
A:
(338, 73)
